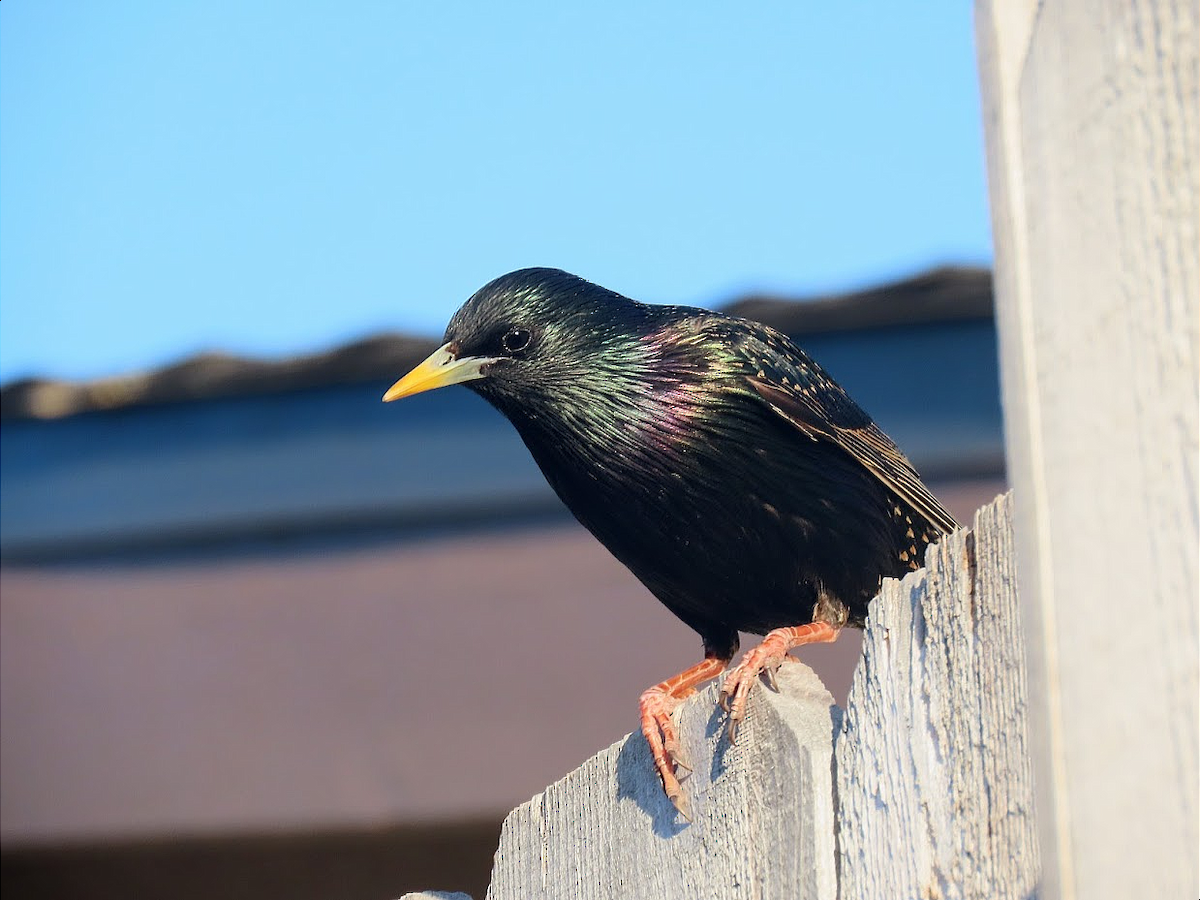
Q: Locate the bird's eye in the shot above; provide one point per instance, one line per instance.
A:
(516, 340)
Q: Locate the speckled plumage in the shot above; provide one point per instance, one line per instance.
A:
(710, 455)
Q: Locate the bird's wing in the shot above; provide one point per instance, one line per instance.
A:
(798, 389)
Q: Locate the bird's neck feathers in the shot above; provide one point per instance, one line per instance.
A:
(633, 407)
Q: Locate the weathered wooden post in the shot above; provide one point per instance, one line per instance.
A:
(1091, 114)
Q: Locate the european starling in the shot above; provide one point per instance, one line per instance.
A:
(709, 454)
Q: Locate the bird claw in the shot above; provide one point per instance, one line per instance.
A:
(735, 692)
(680, 802)
(769, 675)
(674, 753)
(765, 660)
(677, 761)
(658, 728)
(656, 706)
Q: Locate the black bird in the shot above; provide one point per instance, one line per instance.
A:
(709, 454)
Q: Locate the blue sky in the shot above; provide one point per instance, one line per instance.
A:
(270, 178)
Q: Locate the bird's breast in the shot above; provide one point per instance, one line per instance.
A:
(733, 521)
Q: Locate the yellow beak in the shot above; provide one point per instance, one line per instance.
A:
(442, 368)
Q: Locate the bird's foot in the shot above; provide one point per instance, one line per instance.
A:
(765, 660)
(656, 706)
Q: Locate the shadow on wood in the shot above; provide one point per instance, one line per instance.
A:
(920, 789)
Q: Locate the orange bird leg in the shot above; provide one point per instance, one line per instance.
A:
(656, 706)
(765, 659)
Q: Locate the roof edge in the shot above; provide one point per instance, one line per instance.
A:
(943, 294)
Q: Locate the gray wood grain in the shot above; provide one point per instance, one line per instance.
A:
(762, 812)
(1092, 119)
(934, 787)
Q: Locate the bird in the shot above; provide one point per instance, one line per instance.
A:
(710, 455)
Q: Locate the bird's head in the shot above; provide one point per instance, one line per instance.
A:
(532, 335)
